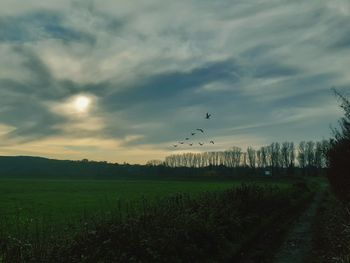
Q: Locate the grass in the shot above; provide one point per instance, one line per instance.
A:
(63, 200)
(207, 227)
(41, 218)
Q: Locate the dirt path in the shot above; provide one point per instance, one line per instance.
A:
(297, 244)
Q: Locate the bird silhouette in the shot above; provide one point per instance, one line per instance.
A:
(181, 142)
(201, 144)
(207, 116)
(175, 145)
(201, 130)
(187, 139)
(212, 142)
(190, 144)
(193, 133)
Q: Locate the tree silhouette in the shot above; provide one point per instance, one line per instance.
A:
(251, 157)
(339, 152)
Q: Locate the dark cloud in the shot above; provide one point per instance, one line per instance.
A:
(37, 26)
(23, 101)
(40, 83)
(312, 98)
(30, 118)
(173, 86)
(271, 70)
(258, 51)
(342, 42)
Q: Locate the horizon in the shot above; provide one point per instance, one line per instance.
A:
(120, 82)
(244, 150)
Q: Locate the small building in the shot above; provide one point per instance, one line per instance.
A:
(267, 172)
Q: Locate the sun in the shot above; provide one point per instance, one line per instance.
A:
(81, 104)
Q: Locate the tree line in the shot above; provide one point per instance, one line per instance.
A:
(308, 155)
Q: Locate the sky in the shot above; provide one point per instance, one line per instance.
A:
(121, 80)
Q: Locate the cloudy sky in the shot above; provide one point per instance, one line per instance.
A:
(121, 80)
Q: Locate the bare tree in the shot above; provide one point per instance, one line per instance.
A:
(310, 153)
(243, 162)
(275, 156)
(251, 157)
(154, 163)
(264, 156)
(302, 155)
(285, 154)
(291, 155)
(318, 155)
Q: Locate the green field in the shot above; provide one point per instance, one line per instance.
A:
(62, 201)
(60, 219)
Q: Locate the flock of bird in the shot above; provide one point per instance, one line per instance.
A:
(193, 133)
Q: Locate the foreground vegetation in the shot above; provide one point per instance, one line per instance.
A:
(331, 241)
(215, 225)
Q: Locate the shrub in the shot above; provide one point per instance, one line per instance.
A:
(339, 153)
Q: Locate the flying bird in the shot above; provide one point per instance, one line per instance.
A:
(175, 145)
(181, 142)
(190, 144)
(207, 116)
(212, 142)
(187, 139)
(193, 133)
(201, 130)
(201, 144)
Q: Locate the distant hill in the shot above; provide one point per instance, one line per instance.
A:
(39, 167)
(28, 166)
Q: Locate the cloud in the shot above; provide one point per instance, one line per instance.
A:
(39, 25)
(173, 85)
(264, 69)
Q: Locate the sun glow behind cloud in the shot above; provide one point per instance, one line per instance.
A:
(82, 103)
(75, 107)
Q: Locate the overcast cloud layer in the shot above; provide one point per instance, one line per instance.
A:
(152, 69)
